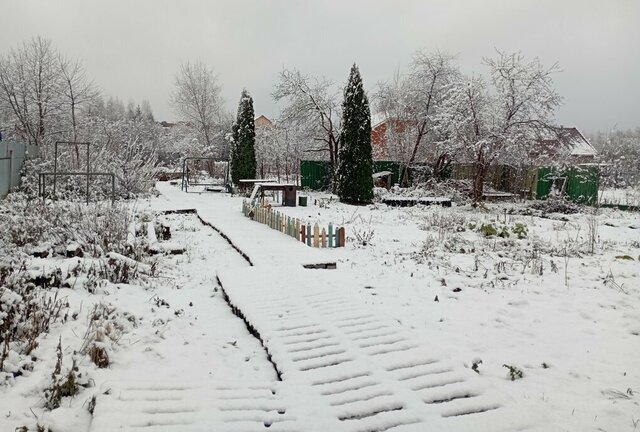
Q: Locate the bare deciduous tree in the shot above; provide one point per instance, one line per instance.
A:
(409, 103)
(29, 88)
(504, 124)
(312, 109)
(196, 99)
(77, 91)
(619, 150)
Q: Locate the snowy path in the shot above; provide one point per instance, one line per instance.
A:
(204, 346)
(344, 365)
(263, 246)
(360, 368)
(177, 407)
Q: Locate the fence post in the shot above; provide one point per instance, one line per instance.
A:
(341, 236)
(323, 238)
(330, 235)
(316, 236)
(297, 229)
(303, 234)
(308, 234)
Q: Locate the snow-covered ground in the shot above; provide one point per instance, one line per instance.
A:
(628, 196)
(561, 304)
(177, 327)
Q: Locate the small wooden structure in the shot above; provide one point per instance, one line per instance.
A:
(245, 184)
(382, 179)
(289, 192)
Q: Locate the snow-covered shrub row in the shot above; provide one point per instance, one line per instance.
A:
(456, 190)
(40, 228)
(25, 313)
(132, 163)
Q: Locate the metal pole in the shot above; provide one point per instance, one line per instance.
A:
(55, 169)
(88, 171)
(182, 184)
(10, 169)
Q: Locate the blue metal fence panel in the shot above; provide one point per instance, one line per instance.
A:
(12, 156)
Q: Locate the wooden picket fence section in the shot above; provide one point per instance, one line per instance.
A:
(313, 236)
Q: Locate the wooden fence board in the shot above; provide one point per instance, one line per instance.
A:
(314, 236)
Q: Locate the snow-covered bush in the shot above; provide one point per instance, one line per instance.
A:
(25, 313)
(106, 327)
(63, 384)
(97, 228)
(514, 372)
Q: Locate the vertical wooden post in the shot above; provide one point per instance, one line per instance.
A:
(308, 234)
(341, 236)
(303, 234)
(323, 238)
(316, 236)
(330, 235)
(297, 229)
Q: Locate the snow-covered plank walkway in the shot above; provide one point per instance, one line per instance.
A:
(361, 369)
(262, 246)
(344, 365)
(178, 407)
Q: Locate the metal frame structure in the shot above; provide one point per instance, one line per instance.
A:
(43, 175)
(42, 183)
(185, 174)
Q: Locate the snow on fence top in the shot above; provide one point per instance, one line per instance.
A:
(331, 237)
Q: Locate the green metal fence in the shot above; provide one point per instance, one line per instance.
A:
(581, 182)
(316, 175)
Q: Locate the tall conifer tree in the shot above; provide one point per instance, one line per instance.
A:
(243, 154)
(355, 183)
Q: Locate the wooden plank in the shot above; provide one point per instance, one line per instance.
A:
(341, 236)
(316, 236)
(303, 234)
(330, 235)
(323, 238)
(298, 229)
(308, 234)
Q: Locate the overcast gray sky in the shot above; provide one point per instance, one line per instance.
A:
(133, 47)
